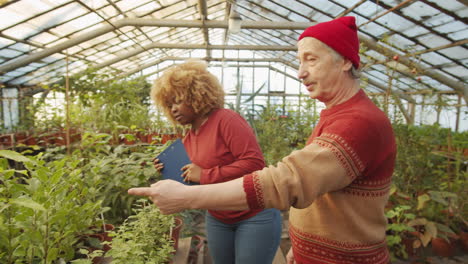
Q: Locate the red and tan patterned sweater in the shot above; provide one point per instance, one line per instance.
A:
(337, 186)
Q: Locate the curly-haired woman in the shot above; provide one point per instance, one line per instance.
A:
(222, 147)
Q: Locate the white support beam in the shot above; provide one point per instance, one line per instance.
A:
(139, 22)
(460, 87)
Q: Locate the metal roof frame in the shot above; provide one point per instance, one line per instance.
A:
(123, 33)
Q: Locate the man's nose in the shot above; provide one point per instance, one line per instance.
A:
(301, 73)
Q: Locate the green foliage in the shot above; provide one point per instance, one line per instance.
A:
(430, 180)
(97, 102)
(54, 198)
(397, 228)
(44, 208)
(419, 163)
(111, 171)
(92, 84)
(144, 238)
(413, 164)
(281, 130)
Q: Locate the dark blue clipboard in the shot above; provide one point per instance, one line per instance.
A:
(174, 157)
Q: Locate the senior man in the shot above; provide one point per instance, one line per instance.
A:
(336, 187)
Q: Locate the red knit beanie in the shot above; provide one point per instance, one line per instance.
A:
(339, 34)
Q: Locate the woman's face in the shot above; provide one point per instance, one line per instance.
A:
(182, 112)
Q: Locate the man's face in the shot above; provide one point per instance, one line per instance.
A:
(321, 71)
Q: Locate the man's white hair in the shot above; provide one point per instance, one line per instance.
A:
(355, 73)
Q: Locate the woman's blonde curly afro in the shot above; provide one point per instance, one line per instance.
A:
(189, 82)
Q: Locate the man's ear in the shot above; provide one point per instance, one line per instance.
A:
(347, 65)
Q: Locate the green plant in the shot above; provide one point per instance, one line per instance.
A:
(414, 167)
(430, 168)
(144, 238)
(111, 171)
(44, 208)
(280, 130)
(439, 207)
(398, 228)
(97, 102)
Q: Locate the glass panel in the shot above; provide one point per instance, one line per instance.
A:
(460, 35)
(247, 80)
(455, 52)
(261, 79)
(292, 86)
(10, 17)
(276, 82)
(10, 107)
(230, 79)
(419, 11)
(85, 21)
(21, 31)
(44, 38)
(58, 16)
(9, 53)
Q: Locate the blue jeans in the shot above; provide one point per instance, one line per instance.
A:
(250, 241)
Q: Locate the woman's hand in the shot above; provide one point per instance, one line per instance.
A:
(290, 257)
(192, 173)
(157, 164)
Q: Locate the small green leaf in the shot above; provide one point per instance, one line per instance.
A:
(26, 202)
(418, 222)
(53, 253)
(422, 200)
(444, 228)
(13, 155)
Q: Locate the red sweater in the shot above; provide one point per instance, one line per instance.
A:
(337, 185)
(226, 148)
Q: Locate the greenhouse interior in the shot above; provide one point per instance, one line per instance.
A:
(79, 127)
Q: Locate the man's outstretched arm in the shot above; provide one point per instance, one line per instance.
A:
(296, 181)
(173, 197)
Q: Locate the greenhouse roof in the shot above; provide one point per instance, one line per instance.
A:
(419, 46)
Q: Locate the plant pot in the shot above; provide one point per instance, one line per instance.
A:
(143, 137)
(412, 243)
(442, 247)
(195, 247)
(60, 138)
(129, 142)
(175, 231)
(154, 138)
(103, 236)
(7, 140)
(20, 138)
(31, 140)
(108, 227)
(102, 260)
(463, 241)
(165, 138)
